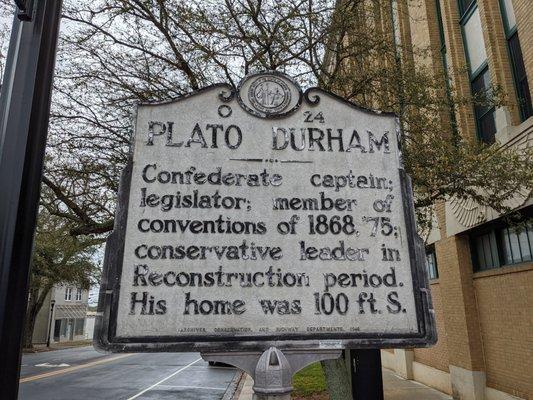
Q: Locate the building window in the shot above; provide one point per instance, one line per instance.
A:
(79, 324)
(517, 244)
(517, 61)
(64, 327)
(444, 58)
(486, 125)
(474, 42)
(465, 5)
(68, 294)
(476, 57)
(431, 263)
(501, 245)
(486, 251)
(442, 38)
(78, 294)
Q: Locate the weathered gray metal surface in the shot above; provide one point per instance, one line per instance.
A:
(273, 373)
(413, 325)
(247, 360)
(272, 370)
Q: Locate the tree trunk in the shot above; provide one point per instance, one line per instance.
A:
(28, 330)
(31, 316)
(35, 304)
(337, 379)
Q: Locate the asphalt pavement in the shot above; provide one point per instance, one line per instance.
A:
(83, 374)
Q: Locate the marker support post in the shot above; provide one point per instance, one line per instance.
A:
(366, 374)
(273, 369)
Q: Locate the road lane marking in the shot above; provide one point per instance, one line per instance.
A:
(48, 365)
(71, 369)
(163, 380)
(194, 387)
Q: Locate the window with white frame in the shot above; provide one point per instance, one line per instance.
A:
(68, 294)
(78, 294)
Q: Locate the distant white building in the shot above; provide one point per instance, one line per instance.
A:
(62, 317)
(89, 324)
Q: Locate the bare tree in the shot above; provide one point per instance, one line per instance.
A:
(114, 53)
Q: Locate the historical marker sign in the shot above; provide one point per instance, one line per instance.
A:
(263, 215)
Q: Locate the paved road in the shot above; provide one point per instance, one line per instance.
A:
(91, 375)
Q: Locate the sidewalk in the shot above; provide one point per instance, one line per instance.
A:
(395, 388)
(39, 348)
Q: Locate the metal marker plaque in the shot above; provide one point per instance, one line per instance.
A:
(262, 216)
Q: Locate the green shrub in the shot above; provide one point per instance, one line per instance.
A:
(309, 381)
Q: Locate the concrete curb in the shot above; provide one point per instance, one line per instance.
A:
(235, 386)
(246, 391)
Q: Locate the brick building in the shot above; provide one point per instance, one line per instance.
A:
(481, 270)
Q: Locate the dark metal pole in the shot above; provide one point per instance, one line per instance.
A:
(24, 113)
(367, 378)
(49, 337)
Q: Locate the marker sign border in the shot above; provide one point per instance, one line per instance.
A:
(105, 337)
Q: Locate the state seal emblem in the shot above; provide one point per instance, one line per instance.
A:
(269, 94)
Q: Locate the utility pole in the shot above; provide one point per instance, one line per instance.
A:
(24, 113)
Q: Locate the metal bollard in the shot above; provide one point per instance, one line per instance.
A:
(273, 375)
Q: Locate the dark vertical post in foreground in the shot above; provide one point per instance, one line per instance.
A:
(367, 378)
(24, 113)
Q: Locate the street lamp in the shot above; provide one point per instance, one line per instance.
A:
(52, 304)
(24, 113)
(25, 9)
